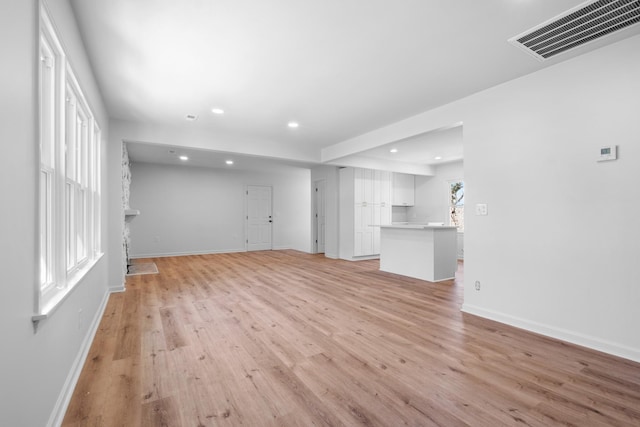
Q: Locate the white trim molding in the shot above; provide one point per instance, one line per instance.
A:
(557, 333)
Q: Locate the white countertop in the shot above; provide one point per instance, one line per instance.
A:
(418, 226)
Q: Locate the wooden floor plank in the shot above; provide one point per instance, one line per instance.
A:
(129, 327)
(122, 404)
(173, 325)
(284, 338)
(162, 413)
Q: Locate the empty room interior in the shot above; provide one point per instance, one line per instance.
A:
(336, 213)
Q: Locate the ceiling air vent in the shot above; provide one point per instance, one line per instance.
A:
(578, 26)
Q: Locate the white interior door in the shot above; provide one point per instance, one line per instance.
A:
(259, 218)
(319, 217)
(363, 231)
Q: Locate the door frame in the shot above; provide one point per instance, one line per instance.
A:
(315, 217)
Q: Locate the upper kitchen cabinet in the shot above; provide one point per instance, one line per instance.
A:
(403, 189)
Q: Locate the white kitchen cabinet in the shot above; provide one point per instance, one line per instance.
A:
(403, 189)
(365, 204)
(363, 182)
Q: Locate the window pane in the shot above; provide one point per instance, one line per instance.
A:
(84, 153)
(456, 204)
(81, 224)
(79, 148)
(457, 193)
(70, 225)
(47, 104)
(70, 134)
(45, 229)
(457, 217)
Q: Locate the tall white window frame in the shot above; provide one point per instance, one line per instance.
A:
(78, 124)
(69, 185)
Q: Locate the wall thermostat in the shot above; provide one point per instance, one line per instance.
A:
(608, 153)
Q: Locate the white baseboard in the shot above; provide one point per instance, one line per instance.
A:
(59, 410)
(120, 288)
(361, 258)
(172, 254)
(558, 333)
(225, 251)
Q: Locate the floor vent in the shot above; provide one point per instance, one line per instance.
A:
(576, 27)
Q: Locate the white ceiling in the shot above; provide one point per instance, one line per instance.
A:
(340, 68)
(430, 148)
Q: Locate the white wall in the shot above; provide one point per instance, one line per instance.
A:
(115, 216)
(186, 210)
(38, 367)
(432, 194)
(557, 250)
(556, 254)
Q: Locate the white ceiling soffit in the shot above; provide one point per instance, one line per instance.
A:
(578, 26)
(161, 154)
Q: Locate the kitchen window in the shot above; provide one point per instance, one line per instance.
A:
(456, 204)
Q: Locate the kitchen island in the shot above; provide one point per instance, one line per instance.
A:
(426, 252)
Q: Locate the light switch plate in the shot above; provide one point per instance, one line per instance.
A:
(481, 209)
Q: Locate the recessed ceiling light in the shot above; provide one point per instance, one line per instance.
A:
(191, 117)
(217, 111)
(438, 157)
(293, 124)
(393, 150)
(229, 162)
(183, 158)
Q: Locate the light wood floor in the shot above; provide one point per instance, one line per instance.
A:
(282, 338)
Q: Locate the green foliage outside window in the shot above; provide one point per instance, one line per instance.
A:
(456, 204)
